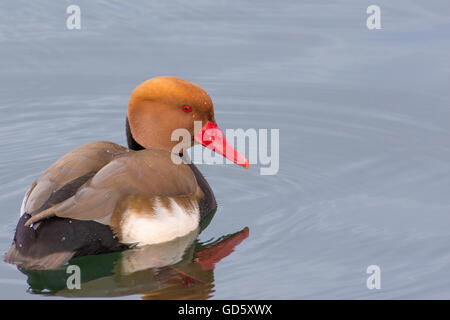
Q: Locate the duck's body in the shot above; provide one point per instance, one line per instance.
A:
(104, 197)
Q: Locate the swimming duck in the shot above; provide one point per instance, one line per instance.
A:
(103, 197)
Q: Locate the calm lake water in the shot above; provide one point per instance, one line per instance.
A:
(364, 140)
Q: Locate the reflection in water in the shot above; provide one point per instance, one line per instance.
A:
(180, 269)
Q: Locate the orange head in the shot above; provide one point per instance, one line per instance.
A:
(159, 106)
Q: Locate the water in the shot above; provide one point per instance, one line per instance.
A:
(364, 140)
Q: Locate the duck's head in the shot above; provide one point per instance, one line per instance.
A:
(161, 105)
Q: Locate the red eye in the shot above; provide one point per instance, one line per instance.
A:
(187, 108)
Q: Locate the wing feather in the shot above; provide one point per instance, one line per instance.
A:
(52, 186)
(147, 173)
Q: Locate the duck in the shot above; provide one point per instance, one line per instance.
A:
(103, 197)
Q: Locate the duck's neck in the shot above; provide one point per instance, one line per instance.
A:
(132, 144)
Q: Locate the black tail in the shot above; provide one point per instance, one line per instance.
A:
(51, 243)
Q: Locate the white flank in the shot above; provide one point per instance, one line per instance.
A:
(159, 226)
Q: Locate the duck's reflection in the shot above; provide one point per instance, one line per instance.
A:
(180, 269)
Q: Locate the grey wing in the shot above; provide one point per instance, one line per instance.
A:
(68, 174)
(142, 173)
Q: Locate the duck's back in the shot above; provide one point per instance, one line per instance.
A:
(61, 180)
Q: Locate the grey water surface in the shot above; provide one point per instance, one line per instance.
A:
(363, 117)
